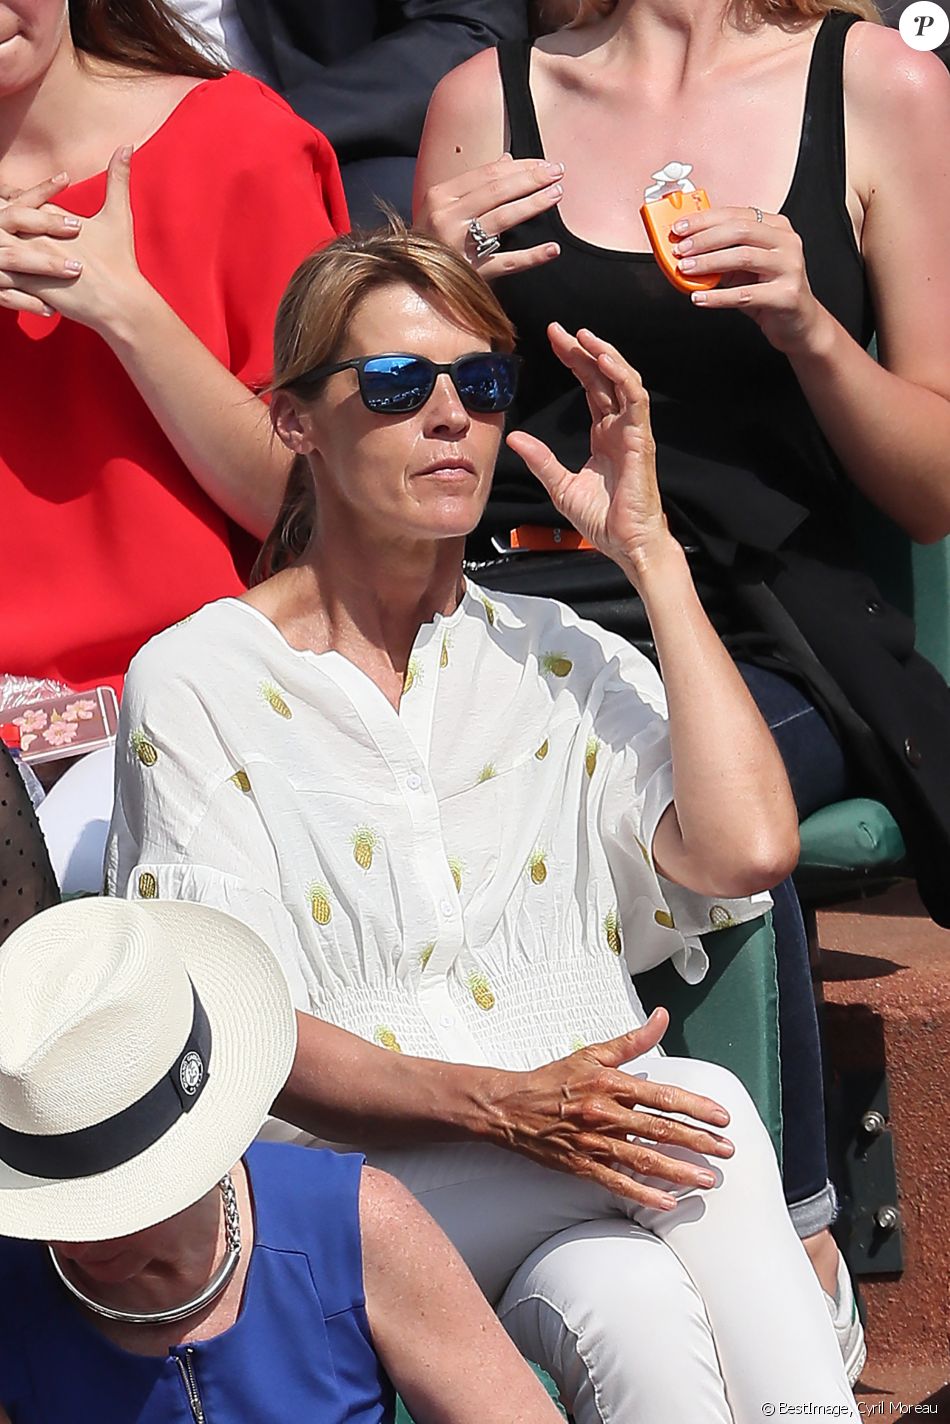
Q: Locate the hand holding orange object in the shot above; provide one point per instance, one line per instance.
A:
(658, 216)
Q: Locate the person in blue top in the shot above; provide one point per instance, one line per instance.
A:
(158, 1270)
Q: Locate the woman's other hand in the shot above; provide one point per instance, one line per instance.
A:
(499, 196)
(93, 284)
(579, 1113)
(614, 500)
(27, 213)
(763, 266)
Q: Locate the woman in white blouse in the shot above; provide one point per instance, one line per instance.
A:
(461, 822)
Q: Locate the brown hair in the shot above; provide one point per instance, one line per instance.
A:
(314, 318)
(141, 34)
(553, 14)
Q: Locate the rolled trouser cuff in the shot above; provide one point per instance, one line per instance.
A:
(815, 1213)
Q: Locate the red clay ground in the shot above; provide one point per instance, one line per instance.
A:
(885, 975)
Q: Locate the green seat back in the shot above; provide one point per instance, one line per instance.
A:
(731, 1017)
(859, 835)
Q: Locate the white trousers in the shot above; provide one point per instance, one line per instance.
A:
(705, 1314)
(75, 821)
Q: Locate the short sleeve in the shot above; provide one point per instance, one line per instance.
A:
(287, 201)
(661, 920)
(186, 824)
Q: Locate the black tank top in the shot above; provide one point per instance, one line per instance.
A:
(741, 459)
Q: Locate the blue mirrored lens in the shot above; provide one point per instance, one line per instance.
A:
(396, 383)
(487, 383)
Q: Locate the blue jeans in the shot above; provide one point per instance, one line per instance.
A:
(818, 775)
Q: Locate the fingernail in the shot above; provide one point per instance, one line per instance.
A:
(48, 311)
(681, 225)
(125, 153)
(685, 246)
(706, 1179)
(72, 222)
(667, 1203)
(72, 265)
(698, 298)
(720, 1115)
(555, 168)
(555, 190)
(685, 264)
(59, 178)
(552, 250)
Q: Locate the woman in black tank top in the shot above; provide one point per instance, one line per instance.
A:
(749, 442)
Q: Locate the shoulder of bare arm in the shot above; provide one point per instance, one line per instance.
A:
(898, 114)
(432, 1328)
(465, 122)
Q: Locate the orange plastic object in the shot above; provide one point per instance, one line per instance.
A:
(658, 219)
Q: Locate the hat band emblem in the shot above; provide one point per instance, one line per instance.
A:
(191, 1072)
(63, 1156)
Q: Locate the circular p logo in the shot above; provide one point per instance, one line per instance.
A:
(924, 25)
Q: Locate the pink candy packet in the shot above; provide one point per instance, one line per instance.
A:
(67, 725)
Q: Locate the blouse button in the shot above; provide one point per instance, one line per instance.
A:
(447, 1021)
(446, 907)
(912, 752)
(413, 781)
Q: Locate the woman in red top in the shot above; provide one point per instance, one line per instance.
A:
(137, 296)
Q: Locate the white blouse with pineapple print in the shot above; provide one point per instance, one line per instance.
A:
(468, 878)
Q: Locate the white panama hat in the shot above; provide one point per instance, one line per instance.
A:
(141, 1048)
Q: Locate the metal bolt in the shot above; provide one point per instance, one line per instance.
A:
(873, 1123)
(887, 1218)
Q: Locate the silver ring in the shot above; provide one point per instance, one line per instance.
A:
(486, 243)
(758, 213)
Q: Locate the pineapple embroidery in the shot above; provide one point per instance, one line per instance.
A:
(148, 885)
(577, 1044)
(386, 1038)
(612, 931)
(444, 655)
(720, 918)
(241, 780)
(320, 904)
(364, 842)
(481, 991)
(489, 612)
(143, 748)
(425, 955)
(538, 867)
(542, 751)
(271, 695)
(487, 772)
(644, 852)
(557, 664)
(590, 755)
(456, 867)
(664, 918)
(413, 675)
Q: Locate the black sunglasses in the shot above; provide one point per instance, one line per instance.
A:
(486, 381)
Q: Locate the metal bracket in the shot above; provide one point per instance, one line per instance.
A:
(870, 1226)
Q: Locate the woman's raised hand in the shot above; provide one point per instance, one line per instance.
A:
(499, 195)
(88, 284)
(579, 1113)
(763, 265)
(613, 500)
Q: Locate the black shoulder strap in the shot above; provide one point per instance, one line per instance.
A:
(821, 167)
(514, 66)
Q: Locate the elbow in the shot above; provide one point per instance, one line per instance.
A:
(768, 862)
(754, 867)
